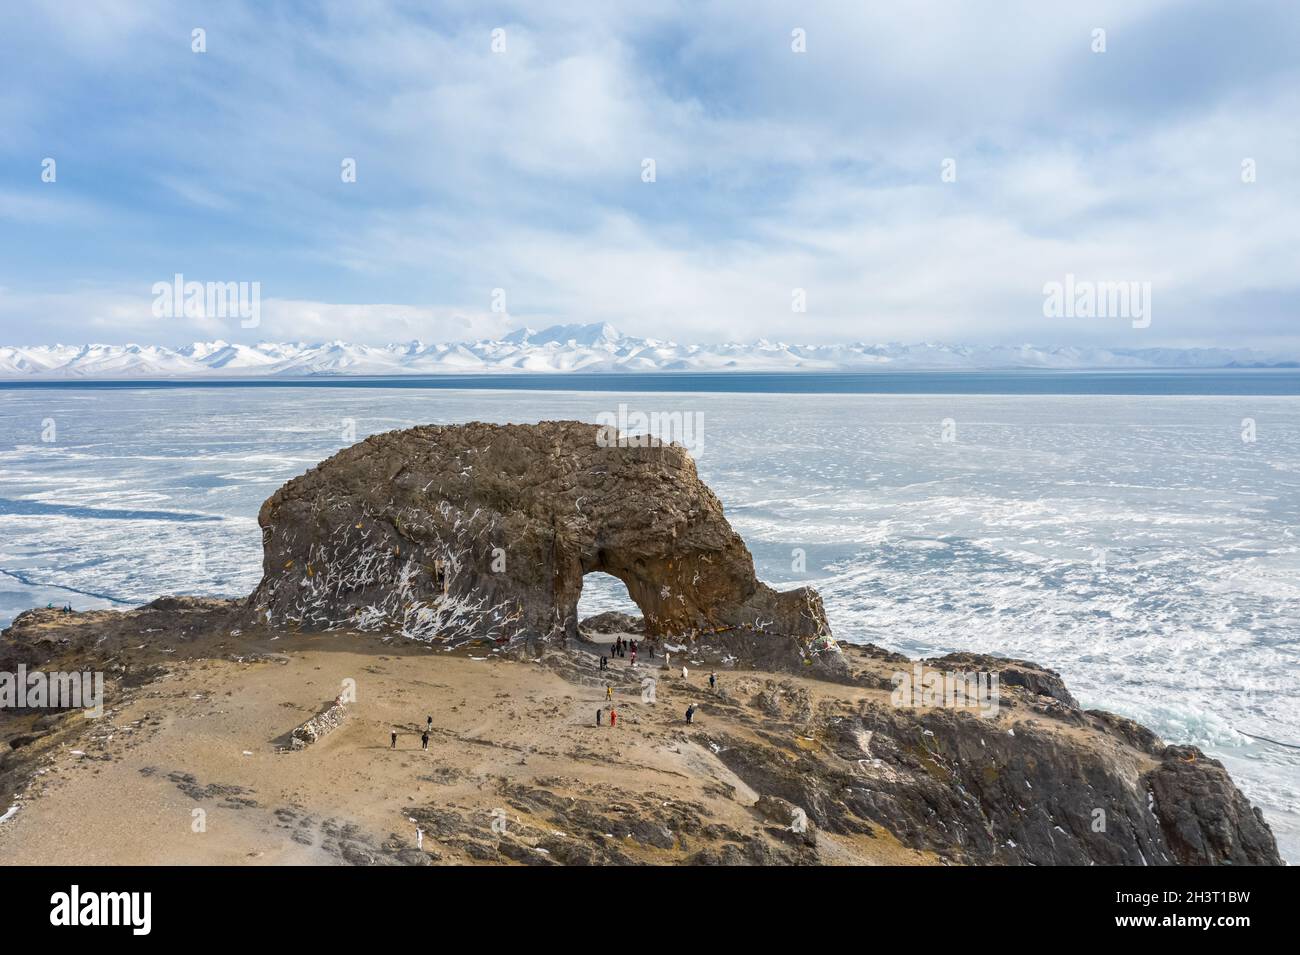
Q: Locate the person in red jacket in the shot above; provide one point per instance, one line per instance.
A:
(613, 717)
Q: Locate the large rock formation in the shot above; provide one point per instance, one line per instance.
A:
(483, 530)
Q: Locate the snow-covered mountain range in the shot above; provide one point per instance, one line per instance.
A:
(580, 348)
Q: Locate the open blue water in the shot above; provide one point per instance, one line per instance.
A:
(1134, 542)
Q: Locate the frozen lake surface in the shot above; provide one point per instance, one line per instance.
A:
(1136, 544)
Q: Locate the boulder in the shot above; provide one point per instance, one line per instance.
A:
(781, 811)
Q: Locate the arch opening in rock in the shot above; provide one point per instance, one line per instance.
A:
(604, 594)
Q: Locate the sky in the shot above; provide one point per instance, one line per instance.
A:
(919, 170)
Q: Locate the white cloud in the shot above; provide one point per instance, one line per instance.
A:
(776, 170)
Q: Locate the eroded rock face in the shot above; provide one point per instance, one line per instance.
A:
(484, 530)
(1042, 783)
(1204, 816)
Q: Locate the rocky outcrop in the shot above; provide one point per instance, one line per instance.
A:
(1203, 815)
(1039, 681)
(1042, 783)
(486, 531)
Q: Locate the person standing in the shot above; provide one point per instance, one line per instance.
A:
(609, 692)
(713, 681)
(424, 741)
(613, 717)
(393, 743)
(600, 717)
(690, 713)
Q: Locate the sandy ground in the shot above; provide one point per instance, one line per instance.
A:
(191, 769)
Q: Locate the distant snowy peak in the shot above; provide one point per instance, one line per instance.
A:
(582, 348)
(585, 335)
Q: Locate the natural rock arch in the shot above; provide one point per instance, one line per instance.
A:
(483, 530)
(611, 593)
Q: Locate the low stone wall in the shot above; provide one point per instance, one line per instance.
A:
(323, 723)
